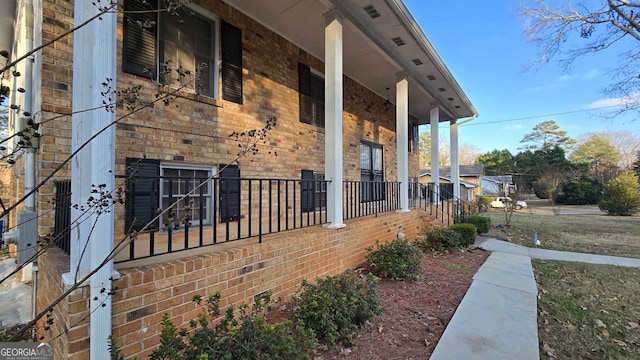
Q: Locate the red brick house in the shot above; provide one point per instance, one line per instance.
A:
(348, 83)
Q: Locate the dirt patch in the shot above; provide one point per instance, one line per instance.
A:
(415, 313)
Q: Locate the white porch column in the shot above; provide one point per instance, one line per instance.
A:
(402, 138)
(333, 117)
(434, 115)
(94, 61)
(455, 158)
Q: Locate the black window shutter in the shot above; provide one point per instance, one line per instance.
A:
(229, 193)
(304, 90)
(231, 62)
(139, 38)
(307, 188)
(142, 193)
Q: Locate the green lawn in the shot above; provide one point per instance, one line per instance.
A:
(598, 234)
(587, 311)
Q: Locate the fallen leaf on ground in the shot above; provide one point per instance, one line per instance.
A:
(548, 350)
(620, 343)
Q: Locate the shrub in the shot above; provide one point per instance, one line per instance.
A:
(396, 260)
(336, 306)
(248, 337)
(482, 202)
(7, 333)
(439, 238)
(622, 195)
(482, 223)
(582, 190)
(467, 233)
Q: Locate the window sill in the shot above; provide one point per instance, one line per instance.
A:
(190, 95)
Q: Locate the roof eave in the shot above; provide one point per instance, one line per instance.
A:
(414, 29)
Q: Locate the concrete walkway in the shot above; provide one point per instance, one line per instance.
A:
(497, 318)
(15, 297)
(545, 254)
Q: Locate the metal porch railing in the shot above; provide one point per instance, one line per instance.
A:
(201, 212)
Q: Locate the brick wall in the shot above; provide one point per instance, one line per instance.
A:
(56, 82)
(194, 130)
(69, 331)
(239, 270)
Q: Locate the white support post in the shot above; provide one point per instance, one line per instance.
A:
(402, 138)
(455, 158)
(434, 115)
(30, 156)
(333, 118)
(94, 61)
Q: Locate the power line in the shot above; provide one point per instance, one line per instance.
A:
(471, 123)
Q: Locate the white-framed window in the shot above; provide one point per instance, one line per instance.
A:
(187, 49)
(179, 180)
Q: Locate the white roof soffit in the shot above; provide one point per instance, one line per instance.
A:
(414, 47)
(371, 55)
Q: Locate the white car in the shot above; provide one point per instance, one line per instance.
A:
(502, 201)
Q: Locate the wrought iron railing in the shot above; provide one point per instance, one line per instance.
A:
(220, 210)
(363, 198)
(197, 212)
(438, 202)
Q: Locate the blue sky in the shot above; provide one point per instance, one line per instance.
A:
(484, 47)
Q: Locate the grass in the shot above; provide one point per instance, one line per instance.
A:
(596, 234)
(460, 268)
(587, 311)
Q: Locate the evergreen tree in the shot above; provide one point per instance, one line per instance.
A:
(622, 195)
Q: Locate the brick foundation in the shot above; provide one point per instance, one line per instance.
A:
(239, 270)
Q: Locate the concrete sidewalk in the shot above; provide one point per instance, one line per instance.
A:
(497, 318)
(545, 254)
(15, 297)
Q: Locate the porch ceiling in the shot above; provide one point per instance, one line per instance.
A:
(370, 54)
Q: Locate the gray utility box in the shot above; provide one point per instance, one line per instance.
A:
(28, 236)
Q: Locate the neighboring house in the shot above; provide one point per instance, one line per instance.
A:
(470, 180)
(265, 222)
(499, 185)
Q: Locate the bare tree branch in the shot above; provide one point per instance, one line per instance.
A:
(565, 33)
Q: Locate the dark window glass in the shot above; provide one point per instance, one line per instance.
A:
(371, 172)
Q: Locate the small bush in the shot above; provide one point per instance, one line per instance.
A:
(439, 239)
(398, 259)
(482, 202)
(482, 223)
(7, 333)
(467, 233)
(336, 306)
(248, 337)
